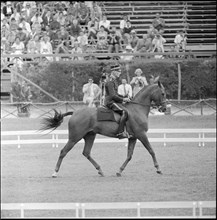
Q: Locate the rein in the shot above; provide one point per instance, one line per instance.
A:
(138, 103)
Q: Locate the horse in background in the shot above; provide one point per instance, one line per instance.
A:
(83, 124)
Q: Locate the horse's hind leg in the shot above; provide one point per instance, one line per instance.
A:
(147, 145)
(70, 144)
(131, 145)
(89, 139)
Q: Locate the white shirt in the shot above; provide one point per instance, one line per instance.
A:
(26, 27)
(46, 48)
(179, 39)
(106, 24)
(127, 92)
(123, 24)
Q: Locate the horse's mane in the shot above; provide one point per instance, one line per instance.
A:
(142, 90)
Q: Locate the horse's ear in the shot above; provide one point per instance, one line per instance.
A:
(156, 79)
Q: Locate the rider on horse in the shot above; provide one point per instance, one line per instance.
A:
(113, 99)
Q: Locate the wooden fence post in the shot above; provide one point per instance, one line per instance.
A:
(179, 82)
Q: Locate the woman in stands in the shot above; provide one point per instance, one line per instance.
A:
(102, 38)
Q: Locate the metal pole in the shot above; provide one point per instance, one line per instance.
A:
(29, 81)
(73, 86)
(127, 69)
(179, 82)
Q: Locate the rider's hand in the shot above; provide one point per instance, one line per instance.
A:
(126, 100)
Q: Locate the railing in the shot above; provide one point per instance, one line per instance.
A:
(105, 54)
(55, 137)
(138, 206)
(174, 107)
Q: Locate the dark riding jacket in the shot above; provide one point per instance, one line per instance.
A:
(111, 95)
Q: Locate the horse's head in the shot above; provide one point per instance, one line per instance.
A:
(159, 97)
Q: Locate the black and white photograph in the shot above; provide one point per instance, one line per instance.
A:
(108, 109)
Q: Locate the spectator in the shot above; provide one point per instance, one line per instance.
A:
(93, 27)
(83, 41)
(96, 12)
(138, 82)
(7, 9)
(133, 39)
(61, 19)
(158, 42)
(180, 41)
(159, 56)
(16, 16)
(172, 49)
(123, 23)
(47, 18)
(113, 42)
(5, 23)
(13, 25)
(29, 3)
(25, 26)
(91, 93)
(2, 15)
(106, 23)
(5, 45)
(83, 13)
(62, 49)
(54, 25)
(75, 28)
(72, 10)
(22, 35)
(46, 47)
(34, 45)
(125, 89)
(17, 48)
(36, 19)
(77, 49)
(126, 32)
(102, 38)
(5, 31)
(29, 12)
(128, 49)
(11, 37)
(144, 44)
(151, 32)
(158, 23)
(63, 35)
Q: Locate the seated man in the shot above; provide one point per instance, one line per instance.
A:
(158, 23)
(113, 100)
(113, 42)
(144, 44)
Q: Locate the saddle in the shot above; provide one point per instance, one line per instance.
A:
(106, 114)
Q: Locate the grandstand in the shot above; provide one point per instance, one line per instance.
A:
(196, 18)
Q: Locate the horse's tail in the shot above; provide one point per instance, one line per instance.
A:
(55, 121)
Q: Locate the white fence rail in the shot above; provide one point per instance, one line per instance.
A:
(80, 208)
(55, 137)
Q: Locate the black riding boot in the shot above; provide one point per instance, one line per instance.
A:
(121, 134)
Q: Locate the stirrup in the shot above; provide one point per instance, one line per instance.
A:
(124, 134)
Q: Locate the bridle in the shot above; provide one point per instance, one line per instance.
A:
(150, 105)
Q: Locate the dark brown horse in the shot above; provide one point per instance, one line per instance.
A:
(84, 124)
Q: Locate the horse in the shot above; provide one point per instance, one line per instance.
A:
(83, 124)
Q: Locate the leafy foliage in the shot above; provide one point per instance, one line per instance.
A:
(64, 80)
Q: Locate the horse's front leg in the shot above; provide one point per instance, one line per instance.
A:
(131, 146)
(144, 139)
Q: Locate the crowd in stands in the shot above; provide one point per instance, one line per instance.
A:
(47, 27)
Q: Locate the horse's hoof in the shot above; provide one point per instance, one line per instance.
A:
(100, 173)
(118, 174)
(159, 172)
(54, 175)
